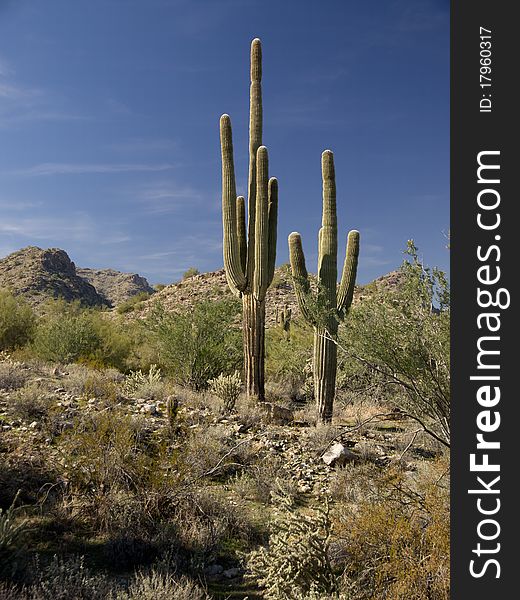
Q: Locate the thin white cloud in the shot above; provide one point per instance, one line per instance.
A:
(5, 68)
(17, 92)
(78, 227)
(167, 196)
(49, 228)
(16, 205)
(372, 261)
(145, 145)
(197, 250)
(89, 168)
(21, 103)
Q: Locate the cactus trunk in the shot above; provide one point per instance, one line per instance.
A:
(249, 261)
(253, 329)
(324, 366)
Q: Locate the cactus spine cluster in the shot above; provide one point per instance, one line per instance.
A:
(331, 304)
(249, 259)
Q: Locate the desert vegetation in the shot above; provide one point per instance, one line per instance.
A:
(134, 464)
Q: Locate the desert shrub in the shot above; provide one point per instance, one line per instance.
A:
(115, 342)
(13, 530)
(198, 344)
(265, 478)
(396, 545)
(287, 359)
(30, 403)
(191, 272)
(67, 579)
(145, 385)
(17, 321)
(113, 463)
(157, 585)
(205, 448)
(402, 337)
(296, 561)
(66, 334)
(87, 382)
(206, 522)
(12, 376)
(132, 303)
(69, 333)
(227, 388)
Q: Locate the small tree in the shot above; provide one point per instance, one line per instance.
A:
(17, 321)
(402, 336)
(191, 272)
(197, 344)
(68, 333)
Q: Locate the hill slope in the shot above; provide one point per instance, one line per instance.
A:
(114, 286)
(213, 286)
(40, 275)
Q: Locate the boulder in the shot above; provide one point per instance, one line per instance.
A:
(338, 455)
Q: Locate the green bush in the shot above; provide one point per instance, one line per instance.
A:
(402, 337)
(17, 321)
(200, 343)
(132, 303)
(287, 359)
(191, 272)
(69, 333)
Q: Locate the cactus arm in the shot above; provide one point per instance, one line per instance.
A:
(348, 277)
(241, 231)
(255, 141)
(302, 288)
(260, 281)
(234, 272)
(273, 224)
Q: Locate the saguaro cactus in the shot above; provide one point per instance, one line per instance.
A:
(283, 318)
(330, 304)
(249, 259)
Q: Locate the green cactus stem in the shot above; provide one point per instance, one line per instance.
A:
(249, 258)
(329, 305)
(283, 318)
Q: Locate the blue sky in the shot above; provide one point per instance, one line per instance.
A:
(109, 111)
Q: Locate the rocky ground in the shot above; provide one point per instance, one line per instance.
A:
(278, 440)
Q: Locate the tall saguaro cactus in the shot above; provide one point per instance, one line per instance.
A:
(249, 258)
(331, 303)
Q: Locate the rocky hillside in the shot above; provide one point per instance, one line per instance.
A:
(114, 286)
(39, 275)
(213, 286)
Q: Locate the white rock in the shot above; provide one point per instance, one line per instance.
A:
(338, 455)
